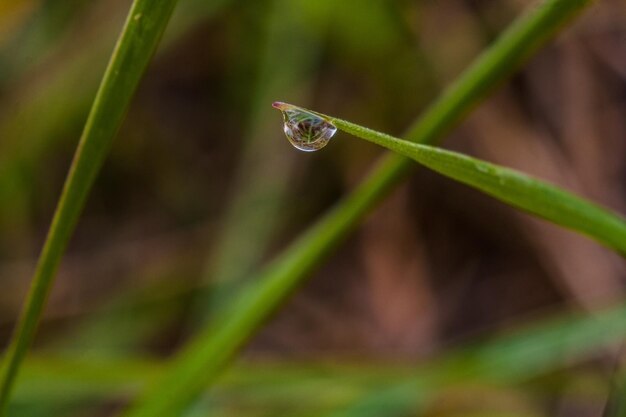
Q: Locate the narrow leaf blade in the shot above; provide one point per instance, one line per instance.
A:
(512, 187)
(142, 31)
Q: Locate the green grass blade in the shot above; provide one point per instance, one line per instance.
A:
(199, 363)
(141, 34)
(507, 185)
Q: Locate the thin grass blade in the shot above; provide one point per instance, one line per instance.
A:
(142, 31)
(512, 187)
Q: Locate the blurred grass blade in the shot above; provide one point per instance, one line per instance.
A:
(265, 168)
(532, 350)
(199, 363)
(507, 185)
(508, 359)
(616, 401)
(34, 39)
(619, 405)
(141, 34)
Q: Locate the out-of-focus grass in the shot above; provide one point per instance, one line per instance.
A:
(532, 351)
(265, 168)
(42, 28)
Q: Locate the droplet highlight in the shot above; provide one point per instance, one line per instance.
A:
(305, 130)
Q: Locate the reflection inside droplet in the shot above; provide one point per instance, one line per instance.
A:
(305, 130)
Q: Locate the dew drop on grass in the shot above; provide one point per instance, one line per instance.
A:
(306, 131)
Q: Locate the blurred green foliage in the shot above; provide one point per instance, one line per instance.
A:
(201, 189)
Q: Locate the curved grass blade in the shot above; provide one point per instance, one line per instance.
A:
(201, 361)
(142, 31)
(512, 187)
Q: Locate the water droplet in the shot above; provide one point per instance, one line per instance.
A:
(305, 130)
